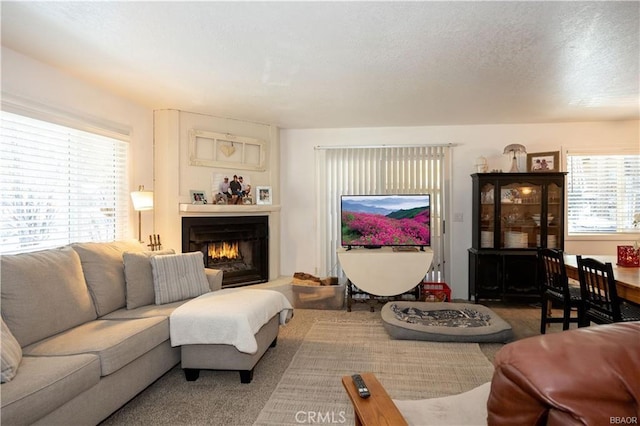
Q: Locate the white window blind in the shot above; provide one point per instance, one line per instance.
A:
(380, 171)
(603, 193)
(60, 185)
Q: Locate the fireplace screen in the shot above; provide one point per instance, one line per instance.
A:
(236, 245)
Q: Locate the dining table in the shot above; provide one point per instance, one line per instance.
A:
(627, 277)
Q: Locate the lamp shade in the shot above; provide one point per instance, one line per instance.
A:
(142, 200)
(515, 148)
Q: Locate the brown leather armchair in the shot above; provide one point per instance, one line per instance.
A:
(586, 376)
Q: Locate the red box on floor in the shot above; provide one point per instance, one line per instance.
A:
(436, 292)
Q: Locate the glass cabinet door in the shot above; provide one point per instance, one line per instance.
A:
(520, 215)
(554, 215)
(487, 216)
(513, 215)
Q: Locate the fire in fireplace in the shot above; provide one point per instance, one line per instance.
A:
(223, 252)
(237, 245)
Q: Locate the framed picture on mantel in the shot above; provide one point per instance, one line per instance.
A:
(198, 196)
(263, 194)
(543, 162)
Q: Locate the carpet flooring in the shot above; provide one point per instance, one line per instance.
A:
(408, 369)
(218, 397)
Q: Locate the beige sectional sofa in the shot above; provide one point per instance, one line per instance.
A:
(84, 354)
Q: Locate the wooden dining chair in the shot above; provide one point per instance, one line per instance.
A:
(598, 288)
(555, 287)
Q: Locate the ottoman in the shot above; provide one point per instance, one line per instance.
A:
(444, 322)
(227, 357)
(228, 329)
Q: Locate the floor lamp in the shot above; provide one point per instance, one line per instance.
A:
(142, 201)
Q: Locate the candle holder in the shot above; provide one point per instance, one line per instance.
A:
(628, 256)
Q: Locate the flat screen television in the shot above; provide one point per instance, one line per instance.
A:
(374, 221)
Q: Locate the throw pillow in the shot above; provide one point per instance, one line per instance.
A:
(11, 354)
(44, 293)
(104, 272)
(138, 277)
(178, 277)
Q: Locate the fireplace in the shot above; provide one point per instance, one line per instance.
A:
(238, 245)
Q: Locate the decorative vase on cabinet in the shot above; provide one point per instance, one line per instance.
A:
(513, 215)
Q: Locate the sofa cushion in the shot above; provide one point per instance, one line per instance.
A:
(139, 277)
(178, 277)
(44, 293)
(117, 343)
(104, 272)
(214, 276)
(45, 383)
(466, 408)
(145, 311)
(11, 354)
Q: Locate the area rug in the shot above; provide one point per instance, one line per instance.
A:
(311, 391)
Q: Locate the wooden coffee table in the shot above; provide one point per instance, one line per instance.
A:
(378, 409)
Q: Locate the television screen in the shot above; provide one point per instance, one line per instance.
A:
(385, 220)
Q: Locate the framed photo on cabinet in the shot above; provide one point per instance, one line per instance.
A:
(543, 161)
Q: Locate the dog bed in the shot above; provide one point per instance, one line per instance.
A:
(444, 322)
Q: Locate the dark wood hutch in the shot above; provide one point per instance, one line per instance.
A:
(513, 214)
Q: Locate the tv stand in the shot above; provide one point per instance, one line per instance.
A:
(384, 272)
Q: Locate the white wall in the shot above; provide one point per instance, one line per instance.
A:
(41, 84)
(174, 175)
(299, 237)
(32, 80)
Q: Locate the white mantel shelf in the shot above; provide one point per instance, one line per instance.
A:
(227, 208)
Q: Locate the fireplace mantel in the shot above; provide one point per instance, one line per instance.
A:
(238, 209)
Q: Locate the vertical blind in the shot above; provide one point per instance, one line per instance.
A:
(380, 171)
(59, 185)
(603, 193)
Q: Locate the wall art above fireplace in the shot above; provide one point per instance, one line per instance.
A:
(212, 149)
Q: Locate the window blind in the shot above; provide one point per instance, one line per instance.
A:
(380, 171)
(603, 193)
(59, 185)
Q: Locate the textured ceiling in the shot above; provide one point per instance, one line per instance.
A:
(348, 64)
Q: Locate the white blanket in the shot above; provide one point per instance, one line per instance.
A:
(231, 316)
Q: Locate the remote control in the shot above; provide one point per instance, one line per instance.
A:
(363, 391)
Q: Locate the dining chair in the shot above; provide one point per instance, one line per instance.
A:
(598, 288)
(555, 288)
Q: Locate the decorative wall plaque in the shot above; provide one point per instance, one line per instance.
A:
(211, 149)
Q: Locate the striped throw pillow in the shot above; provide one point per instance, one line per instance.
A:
(178, 277)
(11, 354)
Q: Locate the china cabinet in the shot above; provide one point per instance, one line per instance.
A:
(513, 214)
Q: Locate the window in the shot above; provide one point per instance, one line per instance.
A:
(380, 171)
(59, 185)
(603, 193)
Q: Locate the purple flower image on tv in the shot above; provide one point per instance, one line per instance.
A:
(385, 220)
